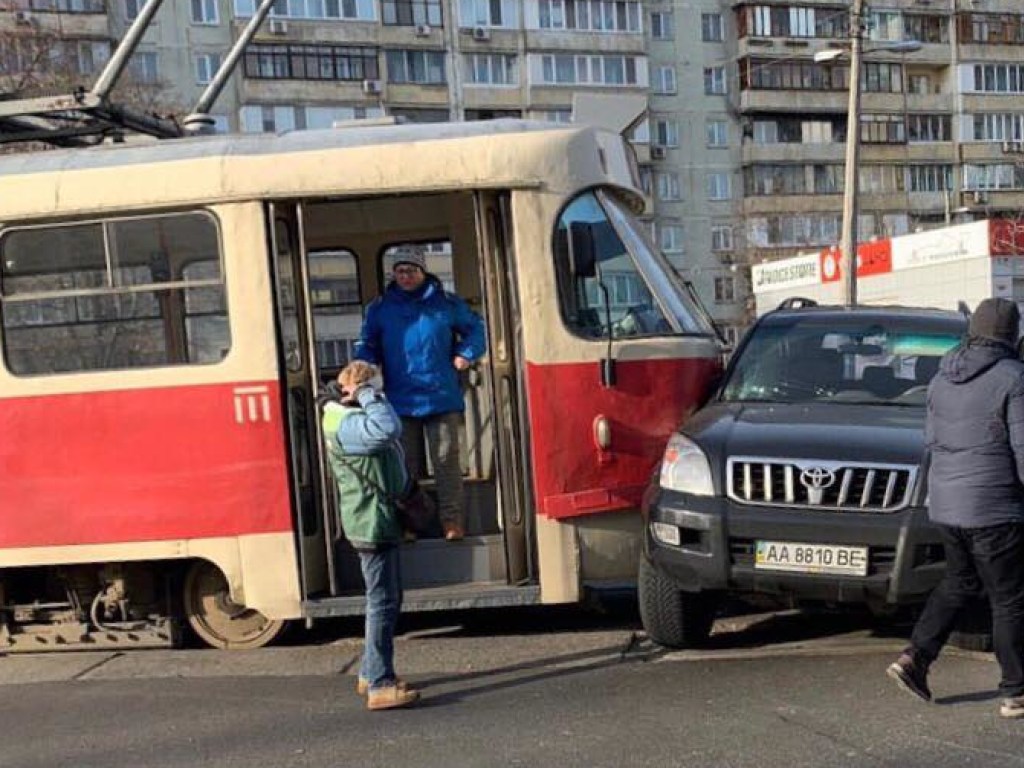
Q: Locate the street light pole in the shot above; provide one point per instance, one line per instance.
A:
(848, 241)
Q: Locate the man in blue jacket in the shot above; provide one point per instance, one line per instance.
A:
(975, 435)
(423, 336)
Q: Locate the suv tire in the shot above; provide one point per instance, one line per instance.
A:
(673, 618)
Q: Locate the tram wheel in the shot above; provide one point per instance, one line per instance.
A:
(217, 619)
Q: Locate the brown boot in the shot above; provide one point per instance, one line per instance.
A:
(391, 697)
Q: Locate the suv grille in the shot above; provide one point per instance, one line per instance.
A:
(825, 485)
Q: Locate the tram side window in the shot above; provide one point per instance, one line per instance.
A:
(613, 299)
(122, 293)
(337, 308)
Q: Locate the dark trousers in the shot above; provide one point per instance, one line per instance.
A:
(980, 560)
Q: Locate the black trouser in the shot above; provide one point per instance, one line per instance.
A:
(980, 559)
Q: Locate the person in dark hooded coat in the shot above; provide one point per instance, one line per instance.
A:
(975, 438)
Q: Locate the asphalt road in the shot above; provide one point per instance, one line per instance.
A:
(527, 688)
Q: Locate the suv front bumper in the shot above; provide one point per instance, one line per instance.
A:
(716, 552)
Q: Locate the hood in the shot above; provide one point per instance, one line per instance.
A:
(970, 360)
(431, 286)
(827, 431)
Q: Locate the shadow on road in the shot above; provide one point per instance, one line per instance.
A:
(741, 625)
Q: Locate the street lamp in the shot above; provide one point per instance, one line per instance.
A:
(848, 240)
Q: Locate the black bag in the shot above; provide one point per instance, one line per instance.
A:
(416, 509)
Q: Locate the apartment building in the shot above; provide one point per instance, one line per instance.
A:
(940, 128)
(316, 62)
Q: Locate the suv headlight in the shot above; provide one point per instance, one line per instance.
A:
(685, 468)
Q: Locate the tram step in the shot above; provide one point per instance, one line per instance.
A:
(436, 562)
(449, 598)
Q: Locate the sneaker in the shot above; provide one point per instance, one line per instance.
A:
(363, 685)
(1012, 707)
(910, 676)
(391, 697)
(453, 532)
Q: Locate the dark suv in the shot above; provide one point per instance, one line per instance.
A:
(803, 476)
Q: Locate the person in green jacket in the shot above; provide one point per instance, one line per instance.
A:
(362, 433)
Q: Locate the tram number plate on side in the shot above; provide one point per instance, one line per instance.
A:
(811, 558)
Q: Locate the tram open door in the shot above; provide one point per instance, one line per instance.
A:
(332, 258)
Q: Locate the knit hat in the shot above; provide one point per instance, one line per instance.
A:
(414, 257)
(996, 320)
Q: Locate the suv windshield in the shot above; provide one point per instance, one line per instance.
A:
(867, 359)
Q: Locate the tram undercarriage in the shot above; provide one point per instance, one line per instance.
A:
(124, 605)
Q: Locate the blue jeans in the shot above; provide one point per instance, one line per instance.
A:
(383, 578)
(978, 561)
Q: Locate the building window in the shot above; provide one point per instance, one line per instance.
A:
(665, 80)
(763, 180)
(132, 8)
(995, 29)
(666, 132)
(491, 69)
(663, 25)
(668, 186)
(725, 290)
(998, 78)
(882, 77)
(422, 67)
(410, 13)
(311, 62)
(345, 10)
(885, 25)
(487, 13)
(116, 294)
(592, 16)
(880, 179)
(204, 12)
(919, 84)
(717, 132)
(721, 237)
(207, 65)
(714, 81)
(999, 127)
(883, 129)
(925, 128)
(144, 67)
(765, 74)
(828, 179)
(996, 176)
(793, 230)
(929, 178)
(670, 238)
(569, 69)
(719, 185)
(927, 29)
(711, 27)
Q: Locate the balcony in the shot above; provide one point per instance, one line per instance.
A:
(585, 42)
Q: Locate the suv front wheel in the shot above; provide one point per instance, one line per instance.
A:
(673, 618)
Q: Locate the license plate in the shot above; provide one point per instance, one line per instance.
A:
(811, 558)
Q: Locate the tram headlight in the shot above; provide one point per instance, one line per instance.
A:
(685, 468)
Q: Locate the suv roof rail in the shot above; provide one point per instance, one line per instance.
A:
(797, 302)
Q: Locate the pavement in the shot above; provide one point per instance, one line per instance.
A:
(533, 687)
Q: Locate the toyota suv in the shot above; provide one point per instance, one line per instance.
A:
(803, 477)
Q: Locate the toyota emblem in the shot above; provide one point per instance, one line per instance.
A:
(816, 480)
